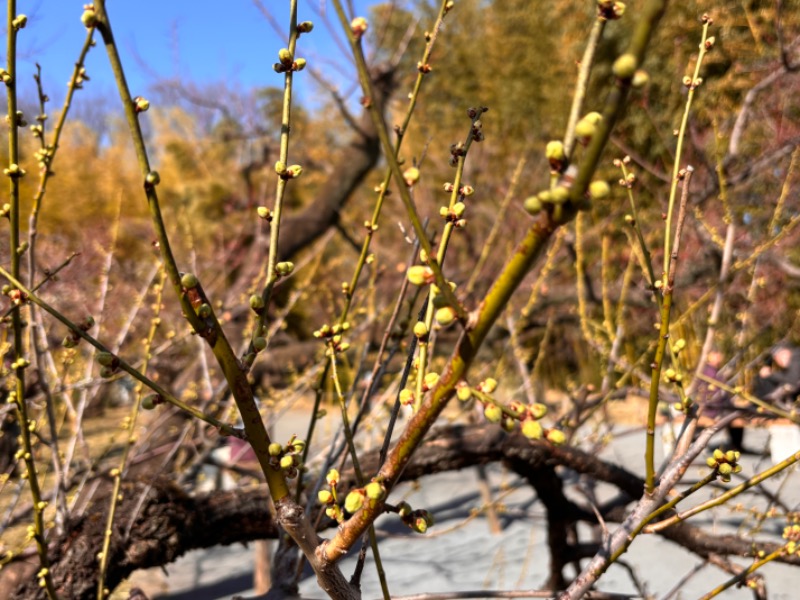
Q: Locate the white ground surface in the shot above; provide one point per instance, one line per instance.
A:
(471, 558)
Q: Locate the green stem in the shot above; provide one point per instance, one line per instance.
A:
(743, 575)
(14, 173)
(275, 220)
(383, 134)
(582, 84)
(123, 365)
(209, 328)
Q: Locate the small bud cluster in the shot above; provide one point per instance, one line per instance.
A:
(284, 269)
(290, 172)
(17, 297)
(288, 63)
(330, 498)
(14, 171)
(587, 126)
(287, 458)
(528, 416)
(418, 520)
(109, 363)
(724, 463)
(692, 84)
(554, 198)
(791, 533)
(72, 338)
(610, 10)
(333, 337)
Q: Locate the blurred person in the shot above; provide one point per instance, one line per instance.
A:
(716, 402)
(778, 381)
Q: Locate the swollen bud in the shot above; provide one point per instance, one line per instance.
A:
(354, 501)
(557, 437)
(411, 176)
(445, 316)
(420, 275)
(599, 189)
(275, 449)
(532, 429)
(533, 205)
(374, 491)
(625, 66)
(493, 413)
(189, 281)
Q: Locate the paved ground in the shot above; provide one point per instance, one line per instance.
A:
(471, 558)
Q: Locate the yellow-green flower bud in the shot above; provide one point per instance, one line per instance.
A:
(256, 302)
(599, 189)
(532, 429)
(358, 26)
(89, 18)
(557, 437)
(625, 66)
(411, 176)
(189, 281)
(259, 343)
(420, 275)
(153, 178)
(285, 56)
(374, 491)
(554, 151)
(287, 462)
(300, 64)
(280, 167)
(275, 449)
(445, 316)
(640, 78)
(354, 501)
(489, 385)
(559, 195)
(725, 469)
(332, 477)
(406, 397)
(463, 392)
(141, 104)
(106, 359)
(284, 268)
(264, 212)
(431, 379)
(493, 413)
(324, 497)
(537, 410)
(420, 329)
(533, 205)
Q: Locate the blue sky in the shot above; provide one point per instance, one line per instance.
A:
(199, 41)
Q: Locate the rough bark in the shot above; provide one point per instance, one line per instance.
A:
(170, 522)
